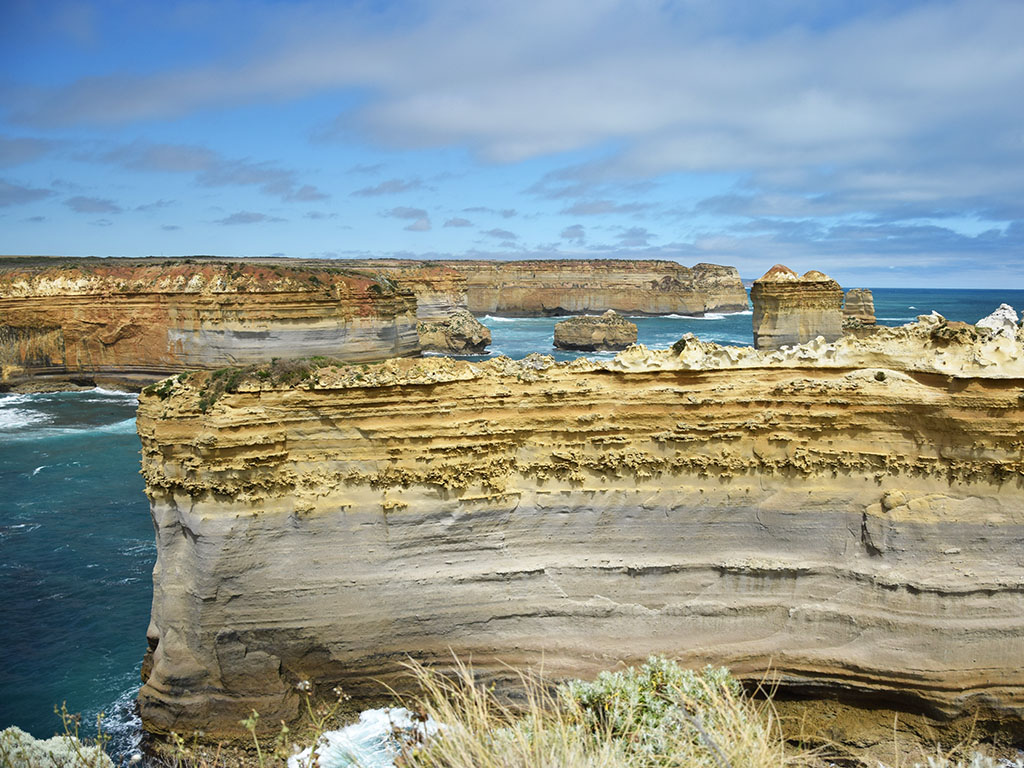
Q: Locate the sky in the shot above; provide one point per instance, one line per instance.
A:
(880, 142)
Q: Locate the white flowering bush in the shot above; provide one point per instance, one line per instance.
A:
(20, 750)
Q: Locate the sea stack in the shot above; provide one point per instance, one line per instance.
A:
(610, 331)
(460, 333)
(859, 306)
(790, 309)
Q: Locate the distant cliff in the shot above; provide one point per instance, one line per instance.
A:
(849, 516)
(538, 288)
(150, 318)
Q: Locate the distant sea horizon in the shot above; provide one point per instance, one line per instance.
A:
(76, 539)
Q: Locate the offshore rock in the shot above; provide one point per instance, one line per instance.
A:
(1002, 322)
(790, 309)
(571, 287)
(847, 515)
(610, 331)
(859, 305)
(460, 334)
(151, 319)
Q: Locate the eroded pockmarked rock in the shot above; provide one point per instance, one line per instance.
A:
(609, 331)
(791, 309)
(1002, 322)
(848, 515)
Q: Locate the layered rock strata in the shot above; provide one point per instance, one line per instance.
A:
(791, 309)
(609, 331)
(847, 515)
(460, 333)
(440, 290)
(156, 319)
(571, 287)
(859, 306)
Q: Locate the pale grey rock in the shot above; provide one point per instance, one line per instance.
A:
(1002, 322)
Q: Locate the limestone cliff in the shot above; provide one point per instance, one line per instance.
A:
(145, 318)
(610, 331)
(440, 290)
(537, 288)
(791, 309)
(847, 515)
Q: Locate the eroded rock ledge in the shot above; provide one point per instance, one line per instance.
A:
(848, 515)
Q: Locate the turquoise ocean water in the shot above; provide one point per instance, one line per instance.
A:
(76, 540)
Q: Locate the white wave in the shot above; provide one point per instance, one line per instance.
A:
(37, 470)
(370, 743)
(118, 428)
(113, 393)
(897, 319)
(125, 427)
(497, 319)
(123, 724)
(20, 418)
(8, 530)
(10, 400)
(911, 307)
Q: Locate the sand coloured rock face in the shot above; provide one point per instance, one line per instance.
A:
(610, 331)
(790, 309)
(460, 333)
(859, 305)
(142, 319)
(848, 515)
(570, 287)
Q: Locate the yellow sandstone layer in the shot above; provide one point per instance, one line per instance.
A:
(846, 517)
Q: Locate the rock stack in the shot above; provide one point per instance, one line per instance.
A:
(859, 306)
(790, 309)
(460, 333)
(610, 331)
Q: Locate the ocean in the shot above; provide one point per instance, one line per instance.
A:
(76, 540)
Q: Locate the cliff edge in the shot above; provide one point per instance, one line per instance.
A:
(848, 515)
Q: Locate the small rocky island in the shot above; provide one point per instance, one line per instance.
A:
(460, 333)
(610, 331)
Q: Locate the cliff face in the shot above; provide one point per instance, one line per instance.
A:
(791, 309)
(537, 288)
(159, 319)
(849, 516)
(440, 290)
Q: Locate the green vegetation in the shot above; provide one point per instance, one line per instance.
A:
(278, 372)
(657, 716)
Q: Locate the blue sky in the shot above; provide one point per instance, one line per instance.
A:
(882, 142)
